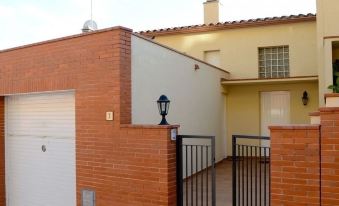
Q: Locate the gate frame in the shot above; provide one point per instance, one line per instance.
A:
(179, 166)
(234, 161)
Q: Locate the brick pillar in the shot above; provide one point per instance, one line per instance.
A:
(2, 152)
(329, 156)
(147, 169)
(124, 53)
(295, 167)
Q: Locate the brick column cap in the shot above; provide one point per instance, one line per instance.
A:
(295, 127)
(329, 109)
(145, 126)
(313, 114)
(331, 95)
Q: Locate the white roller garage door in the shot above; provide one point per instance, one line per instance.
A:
(40, 150)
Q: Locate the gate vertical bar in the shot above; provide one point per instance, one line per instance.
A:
(207, 175)
(186, 169)
(179, 171)
(247, 175)
(239, 179)
(265, 176)
(191, 175)
(260, 176)
(196, 172)
(243, 174)
(202, 175)
(269, 172)
(213, 173)
(256, 176)
(251, 188)
(234, 169)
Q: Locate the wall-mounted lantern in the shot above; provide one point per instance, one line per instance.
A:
(163, 106)
(305, 98)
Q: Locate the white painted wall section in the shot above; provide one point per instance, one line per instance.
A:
(197, 99)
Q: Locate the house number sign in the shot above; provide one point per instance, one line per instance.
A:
(109, 116)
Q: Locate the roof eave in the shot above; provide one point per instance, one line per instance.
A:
(229, 25)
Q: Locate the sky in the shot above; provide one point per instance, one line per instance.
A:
(28, 21)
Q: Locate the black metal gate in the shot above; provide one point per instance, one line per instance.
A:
(196, 170)
(251, 170)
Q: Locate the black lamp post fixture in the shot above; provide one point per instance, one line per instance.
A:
(163, 106)
(305, 98)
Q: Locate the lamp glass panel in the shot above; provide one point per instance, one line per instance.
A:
(159, 107)
(305, 100)
(167, 107)
(163, 107)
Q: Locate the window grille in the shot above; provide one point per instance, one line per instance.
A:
(274, 62)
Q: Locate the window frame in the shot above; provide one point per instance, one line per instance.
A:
(213, 50)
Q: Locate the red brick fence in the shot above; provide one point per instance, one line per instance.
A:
(305, 162)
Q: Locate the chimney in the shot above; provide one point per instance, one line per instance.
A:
(211, 11)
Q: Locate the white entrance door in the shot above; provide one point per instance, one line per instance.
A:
(275, 109)
(40, 150)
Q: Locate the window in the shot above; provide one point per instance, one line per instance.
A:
(274, 62)
(212, 57)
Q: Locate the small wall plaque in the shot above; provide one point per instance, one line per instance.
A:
(174, 134)
(109, 116)
(88, 197)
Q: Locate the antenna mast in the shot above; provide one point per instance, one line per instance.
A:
(92, 13)
(92, 10)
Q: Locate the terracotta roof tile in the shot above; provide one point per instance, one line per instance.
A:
(231, 24)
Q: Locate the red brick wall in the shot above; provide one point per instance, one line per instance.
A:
(145, 154)
(137, 168)
(329, 156)
(121, 164)
(2, 151)
(295, 168)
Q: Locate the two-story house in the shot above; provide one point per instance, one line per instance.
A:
(273, 62)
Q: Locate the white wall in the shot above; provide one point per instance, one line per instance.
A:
(197, 100)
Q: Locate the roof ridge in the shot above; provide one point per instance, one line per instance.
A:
(297, 17)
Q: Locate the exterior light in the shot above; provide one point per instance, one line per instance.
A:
(305, 98)
(163, 106)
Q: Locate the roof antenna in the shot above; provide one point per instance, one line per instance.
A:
(92, 10)
(90, 25)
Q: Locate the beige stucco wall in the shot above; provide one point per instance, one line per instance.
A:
(243, 106)
(327, 33)
(239, 47)
(197, 99)
(327, 17)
